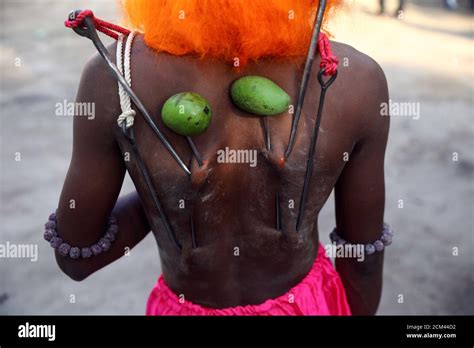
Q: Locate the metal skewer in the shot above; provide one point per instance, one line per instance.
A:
(268, 139)
(128, 132)
(194, 150)
(193, 233)
(91, 33)
(278, 214)
(306, 74)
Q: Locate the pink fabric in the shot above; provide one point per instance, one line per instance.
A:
(319, 293)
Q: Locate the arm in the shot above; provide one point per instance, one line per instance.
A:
(94, 180)
(360, 198)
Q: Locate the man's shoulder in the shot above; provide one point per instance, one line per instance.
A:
(99, 86)
(357, 64)
(361, 87)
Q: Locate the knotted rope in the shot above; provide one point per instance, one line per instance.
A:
(128, 114)
(107, 28)
(328, 59)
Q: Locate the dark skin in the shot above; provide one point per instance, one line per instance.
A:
(240, 257)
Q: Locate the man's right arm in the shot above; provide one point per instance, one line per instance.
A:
(360, 194)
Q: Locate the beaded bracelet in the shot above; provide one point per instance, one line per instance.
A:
(65, 249)
(370, 248)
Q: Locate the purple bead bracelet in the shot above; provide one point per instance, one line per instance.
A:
(66, 250)
(370, 248)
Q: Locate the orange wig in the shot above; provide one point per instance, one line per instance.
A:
(226, 29)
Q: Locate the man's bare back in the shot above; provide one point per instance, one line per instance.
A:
(240, 257)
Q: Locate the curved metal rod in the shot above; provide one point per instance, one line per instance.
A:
(306, 74)
(90, 32)
(314, 137)
(128, 133)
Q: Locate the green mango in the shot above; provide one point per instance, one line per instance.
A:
(187, 113)
(259, 95)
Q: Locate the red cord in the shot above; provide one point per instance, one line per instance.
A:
(107, 28)
(328, 59)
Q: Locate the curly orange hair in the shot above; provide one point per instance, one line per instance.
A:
(226, 29)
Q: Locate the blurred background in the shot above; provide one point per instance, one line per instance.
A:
(427, 52)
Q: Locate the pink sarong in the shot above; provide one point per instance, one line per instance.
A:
(320, 293)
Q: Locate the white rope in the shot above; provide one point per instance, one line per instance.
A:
(123, 64)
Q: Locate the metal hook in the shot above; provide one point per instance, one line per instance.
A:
(314, 137)
(82, 31)
(326, 84)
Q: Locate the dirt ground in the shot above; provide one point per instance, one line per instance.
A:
(428, 59)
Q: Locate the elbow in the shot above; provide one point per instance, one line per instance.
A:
(74, 270)
(76, 276)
